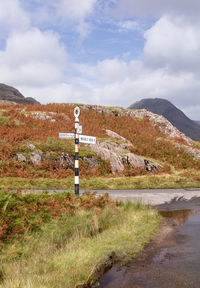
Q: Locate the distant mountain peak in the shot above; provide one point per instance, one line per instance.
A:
(165, 108)
(11, 94)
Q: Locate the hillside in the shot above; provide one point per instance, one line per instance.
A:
(172, 113)
(8, 93)
(129, 143)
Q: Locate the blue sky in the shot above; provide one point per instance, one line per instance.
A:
(108, 52)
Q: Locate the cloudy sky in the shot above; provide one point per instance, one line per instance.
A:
(108, 52)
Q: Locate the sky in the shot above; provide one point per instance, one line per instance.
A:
(106, 52)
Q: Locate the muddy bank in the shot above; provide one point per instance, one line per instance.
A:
(166, 229)
(171, 259)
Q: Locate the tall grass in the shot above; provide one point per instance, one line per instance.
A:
(68, 251)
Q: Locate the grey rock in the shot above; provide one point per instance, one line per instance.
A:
(161, 122)
(133, 160)
(36, 158)
(20, 157)
(92, 161)
(118, 159)
(66, 161)
(151, 166)
(65, 116)
(30, 146)
(38, 115)
(106, 151)
(190, 150)
(117, 136)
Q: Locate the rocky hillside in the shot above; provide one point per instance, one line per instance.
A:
(129, 142)
(10, 94)
(172, 113)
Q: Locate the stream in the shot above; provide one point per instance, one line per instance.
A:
(173, 262)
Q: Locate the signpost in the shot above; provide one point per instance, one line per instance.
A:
(78, 138)
(66, 135)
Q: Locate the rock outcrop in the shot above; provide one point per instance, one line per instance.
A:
(157, 120)
(117, 154)
(161, 122)
(190, 150)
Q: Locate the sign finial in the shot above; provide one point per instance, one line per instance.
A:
(77, 112)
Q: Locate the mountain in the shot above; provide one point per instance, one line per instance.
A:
(165, 108)
(8, 93)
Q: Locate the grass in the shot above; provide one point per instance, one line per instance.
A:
(183, 179)
(4, 120)
(67, 251)
(57, 146)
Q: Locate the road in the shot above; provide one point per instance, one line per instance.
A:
(147, 196)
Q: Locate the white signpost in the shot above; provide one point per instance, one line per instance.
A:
(87, 139)
(66, 135)
(78, 138)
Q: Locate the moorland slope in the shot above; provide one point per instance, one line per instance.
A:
(129, 143)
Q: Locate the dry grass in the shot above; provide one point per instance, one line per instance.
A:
(50, 259)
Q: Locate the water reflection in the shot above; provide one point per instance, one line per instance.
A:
(179, 216)
(174, 265)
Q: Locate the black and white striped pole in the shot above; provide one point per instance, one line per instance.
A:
(76, 178)
(85, 139)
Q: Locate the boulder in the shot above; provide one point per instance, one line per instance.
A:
(107, 151)
(36, 158)
(38, 115)
(20, 157)
(66, 161)
(133, 160)
(30, 146)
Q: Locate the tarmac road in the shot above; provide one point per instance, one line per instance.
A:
(147, 196)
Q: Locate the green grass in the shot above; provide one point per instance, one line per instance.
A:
(137, 182)
(4, 120)
(67, 251)
(53, 145)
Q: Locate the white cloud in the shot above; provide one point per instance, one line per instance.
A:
(12, 16)
(62, 13)
(129, 26)
(33, 57)
(104, 84)
(173, 44)
(76, 10)
(37, 63)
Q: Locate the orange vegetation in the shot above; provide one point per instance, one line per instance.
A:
(22, 128)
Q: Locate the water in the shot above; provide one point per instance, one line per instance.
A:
(174, 263)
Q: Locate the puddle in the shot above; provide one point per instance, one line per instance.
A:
(173, 264)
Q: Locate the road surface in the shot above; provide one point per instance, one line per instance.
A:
(147, 196)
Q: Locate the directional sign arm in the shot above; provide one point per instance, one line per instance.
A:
(87, 139)
(66, 135)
